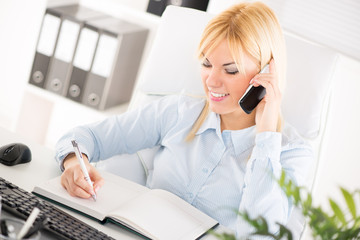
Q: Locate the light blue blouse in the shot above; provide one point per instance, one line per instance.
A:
(217, 172)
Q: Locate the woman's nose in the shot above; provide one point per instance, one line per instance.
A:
(214, 79)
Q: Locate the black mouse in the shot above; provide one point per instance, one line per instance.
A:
(14, 153)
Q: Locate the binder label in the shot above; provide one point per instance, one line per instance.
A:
(48, 35)
(69, 33)
(85, 49)
(105, 55)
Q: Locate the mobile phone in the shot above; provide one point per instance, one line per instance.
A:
(253, 95)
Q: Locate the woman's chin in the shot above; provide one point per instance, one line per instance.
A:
(223, 109)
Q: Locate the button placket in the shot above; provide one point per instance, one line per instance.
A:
(205, 170)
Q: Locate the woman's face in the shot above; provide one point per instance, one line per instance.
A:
(224, 85)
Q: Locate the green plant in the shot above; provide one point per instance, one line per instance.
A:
(339, 224)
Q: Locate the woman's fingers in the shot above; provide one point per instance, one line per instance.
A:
(271, 89)
(269, 81)
(73, 189)
(267, 76)
(80, 182)
(272, 67)
(268, 109)
(97, 179)
(74, 182)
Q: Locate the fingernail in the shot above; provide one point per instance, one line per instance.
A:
(96, 189)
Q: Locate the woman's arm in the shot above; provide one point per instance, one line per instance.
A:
(262, 195)
(126, 133)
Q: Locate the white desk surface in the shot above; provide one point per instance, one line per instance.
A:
(43, 167)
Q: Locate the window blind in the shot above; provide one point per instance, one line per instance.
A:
(333, 23)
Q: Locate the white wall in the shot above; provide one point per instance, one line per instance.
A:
(19, 26)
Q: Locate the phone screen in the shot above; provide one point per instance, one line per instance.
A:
(253, 95)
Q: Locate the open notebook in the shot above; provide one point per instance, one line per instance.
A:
(153, 213)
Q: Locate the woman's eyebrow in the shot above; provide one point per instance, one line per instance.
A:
(227, 64)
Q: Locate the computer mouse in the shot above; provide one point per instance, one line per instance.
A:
(15, 153)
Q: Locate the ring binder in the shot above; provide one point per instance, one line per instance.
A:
(73, 17)
(88, 56)
(62, 59)
(112, 76)
(83, 59)
(45, 48)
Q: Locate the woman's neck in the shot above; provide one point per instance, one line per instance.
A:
(237, 121)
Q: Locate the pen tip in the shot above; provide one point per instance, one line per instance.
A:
(94, 197)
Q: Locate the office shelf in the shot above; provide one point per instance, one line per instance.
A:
(42, 115)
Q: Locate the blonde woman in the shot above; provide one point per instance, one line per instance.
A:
(212, 154)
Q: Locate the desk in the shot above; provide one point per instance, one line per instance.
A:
(43, 167)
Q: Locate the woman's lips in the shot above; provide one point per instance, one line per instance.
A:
(217, 96)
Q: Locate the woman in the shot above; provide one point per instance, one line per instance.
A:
(212, 154)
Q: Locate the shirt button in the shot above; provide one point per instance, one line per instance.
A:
(205, 170)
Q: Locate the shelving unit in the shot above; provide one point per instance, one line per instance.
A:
(45, 116)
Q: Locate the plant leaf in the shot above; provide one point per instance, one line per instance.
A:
(337, 211)
(285, 232)
(282, 179)
(223, 236)
(307, 203)
(349, 201)
(357, 222)
(296, 194)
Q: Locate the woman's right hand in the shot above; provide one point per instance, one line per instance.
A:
(73, 179)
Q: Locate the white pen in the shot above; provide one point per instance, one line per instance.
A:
(29, 222)
(82, 165)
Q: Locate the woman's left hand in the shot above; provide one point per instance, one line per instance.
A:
(267, 111)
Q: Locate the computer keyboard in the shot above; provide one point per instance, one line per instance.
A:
(20, 203)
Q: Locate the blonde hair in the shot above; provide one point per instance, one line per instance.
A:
(249, 28)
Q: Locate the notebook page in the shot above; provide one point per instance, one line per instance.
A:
(112, 194)
(165, 216)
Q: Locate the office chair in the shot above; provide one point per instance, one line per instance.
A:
(172, 67)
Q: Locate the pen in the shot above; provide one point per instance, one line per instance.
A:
(39, 225)
(82, 165)
(29, 222)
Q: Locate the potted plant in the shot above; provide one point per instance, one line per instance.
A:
(339, 224)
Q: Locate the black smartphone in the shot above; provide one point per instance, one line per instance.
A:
(253, 95)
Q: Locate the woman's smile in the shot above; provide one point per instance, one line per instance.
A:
(217, 96)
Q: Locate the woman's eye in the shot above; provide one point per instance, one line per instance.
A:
(232, 72)
(206, 64)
